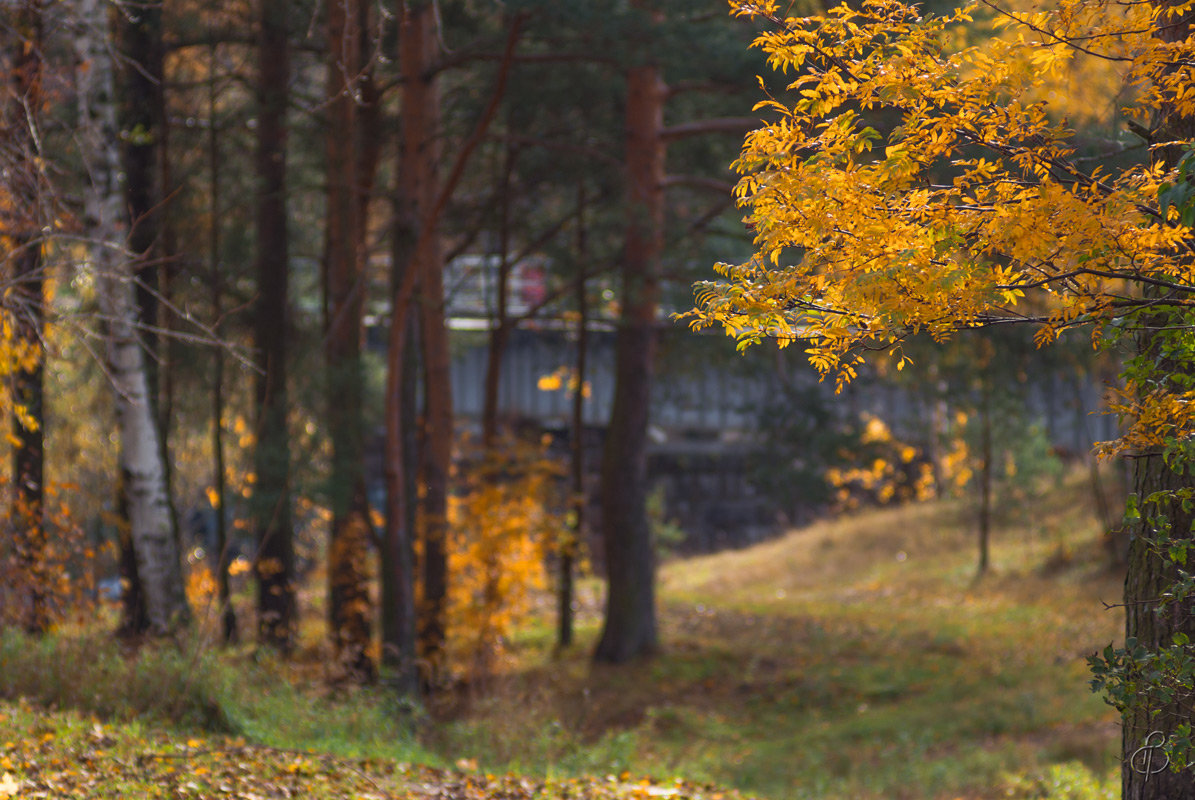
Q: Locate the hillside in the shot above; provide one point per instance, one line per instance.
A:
(857, 658)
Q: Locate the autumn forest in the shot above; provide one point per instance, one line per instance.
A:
(580, 398)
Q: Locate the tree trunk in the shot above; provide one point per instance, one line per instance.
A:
(228, 618)
(578, 499)
(274, 565)
(985, 475)
(420, 115)
(350, 607)
(398, 558)
(630, 622)
(399, 618)
(1149, 578)
(140, 115)
(500, 331)
(24, 218)
(421, 119)
(143, 474)
(29, 446)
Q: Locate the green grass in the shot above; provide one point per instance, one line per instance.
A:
(192, 687)
(855, 658)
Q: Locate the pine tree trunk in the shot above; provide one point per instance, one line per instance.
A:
(421, 191)
(416, 153)
(398, 571)
(143, 473)
(228, 619)
(350, 607)
(274, 566)
(421, 120)
(630, 622)
(435, 461)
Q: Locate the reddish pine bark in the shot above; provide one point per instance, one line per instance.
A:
(630, 623)
(350, 607)
(424, 200)
(414, 194)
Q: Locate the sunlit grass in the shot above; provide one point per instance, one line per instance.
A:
(859, 657)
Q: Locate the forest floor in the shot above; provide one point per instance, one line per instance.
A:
(855, 658)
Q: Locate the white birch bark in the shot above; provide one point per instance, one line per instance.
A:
(104, 227)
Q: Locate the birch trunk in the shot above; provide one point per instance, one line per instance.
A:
(142, 468)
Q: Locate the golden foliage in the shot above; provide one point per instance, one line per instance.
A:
(891, 471)
(912, 182)
(563, 378)
(504, 524)
(201, 586)
(48, 567)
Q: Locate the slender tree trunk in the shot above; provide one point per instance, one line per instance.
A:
(152, 535)
(274, 565)
(578, 499)
(28, 432)
(399, 615)
(228, 619)
(23, 216)
(143, 474)
(140, 115)
(500, 332)
(350, 607)
(630, 622)
(425, 266)
(421, 111)
(398, 571)
(985, 475)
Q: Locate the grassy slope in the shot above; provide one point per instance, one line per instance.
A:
(855, 658)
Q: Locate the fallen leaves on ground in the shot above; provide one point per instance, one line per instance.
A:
(50, 755)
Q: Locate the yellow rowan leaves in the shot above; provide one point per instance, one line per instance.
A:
(504, 525)
(922, 176)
